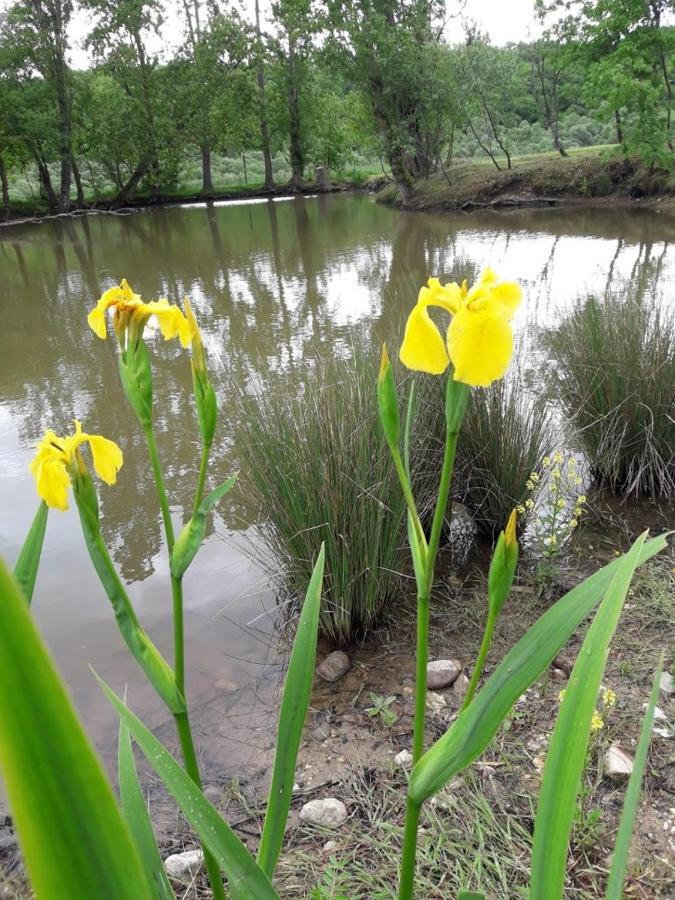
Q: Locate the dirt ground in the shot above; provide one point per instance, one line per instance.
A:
(477, 833)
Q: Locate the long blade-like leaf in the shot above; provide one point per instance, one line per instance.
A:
(569, 743)
(25, 570)
(625, 833)
(244, 875)
(136, 813)
(470, 895)
(75, 842)
(294, 703)
(476, 726)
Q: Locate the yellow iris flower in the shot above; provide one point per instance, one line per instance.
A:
(479, 340)
(56, 457)
(132, 313)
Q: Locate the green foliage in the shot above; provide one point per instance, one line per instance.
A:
(74, 840)
(615, 373)
(318, 466)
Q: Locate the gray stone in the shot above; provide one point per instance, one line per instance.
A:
(436, 704)
(460, 686)
(403, 759)
(329, 846)
(441, 673)
(559, 675)
(186, 865)
(666, 684)
(334, 666)
(330, 813)
(618, 764)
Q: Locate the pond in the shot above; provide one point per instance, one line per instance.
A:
(273, 283)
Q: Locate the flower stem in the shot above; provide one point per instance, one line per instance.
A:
(407, 878)
(480, 661)
(181, 719)
(203, 464)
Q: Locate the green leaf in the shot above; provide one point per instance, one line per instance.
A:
(135, 811)
(569, 743)
(25, 570)
(476, 726)
(190, 539)
(294, 704)
(471, 895)
(75, 842)
(630, 804)
(244, 875)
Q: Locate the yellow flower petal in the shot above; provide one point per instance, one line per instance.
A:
(107, 457)
(509, 294)
(52, 482)
(96, 320)
(480, 345)
(423, 349)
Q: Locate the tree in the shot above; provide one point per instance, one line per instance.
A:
(628, 55)
(389, 47)
(38, 30)
(548, 67)
(265, 144)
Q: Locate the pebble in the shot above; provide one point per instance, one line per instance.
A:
(226, 686)
(329, 846)
(436, 703)
(618, 764)
(184, 865)
(403, 759)
(460, 686)
(559, 675)
(334, 666)
(330, 813)
(441, 673)
(666, 684)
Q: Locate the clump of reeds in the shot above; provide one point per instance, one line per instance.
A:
(505, 436)
(317, 463)
(615, 377)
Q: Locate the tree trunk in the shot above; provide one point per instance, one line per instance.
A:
(78, 184)
(264, 127)
(4, 209)
(207, 177)
(127, 190)
(65, 151)
(297, 161)
(401, 177)
(48, 191)
(619, 127)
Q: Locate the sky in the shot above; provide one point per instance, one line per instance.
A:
(504, 21)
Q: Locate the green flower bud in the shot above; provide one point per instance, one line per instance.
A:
(503, 566)
(136, 377)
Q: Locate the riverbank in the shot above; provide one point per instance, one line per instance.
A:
(34, 211)
(588, 176)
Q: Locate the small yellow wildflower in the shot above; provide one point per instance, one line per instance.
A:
(546, 461)
(131, 313)
(479, 340)
(521, 510)
(597, 723)
(581, 499)
(555, 474)
(529, 485)
(573, 523)
(578, 481)
(56, 456)
(561, 695)
(534, 477)
(561, 503)
(558, 457)
(608, 698)
(529, 504)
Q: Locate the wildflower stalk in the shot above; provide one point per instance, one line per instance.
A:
(456, 399)
(480, 660)
(181, 719)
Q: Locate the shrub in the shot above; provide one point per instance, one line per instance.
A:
(615, 375)
(319, 468)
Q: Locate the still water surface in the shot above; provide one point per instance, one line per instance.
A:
(273, 285)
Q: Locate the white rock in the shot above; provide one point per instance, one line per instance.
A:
(403, 759)
(666, 684)
(330, 813)
(436, 703)
(329, 845)
(460, 686)
(618, 764)
(334, 666)
(659, 715)
(441, 673)
(186, 865)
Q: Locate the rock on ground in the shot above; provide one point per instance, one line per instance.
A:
(441, 673)
(618, 763)
(666, 684)
(334, 666)
(184, 865)
(330, 813)
(403, 759)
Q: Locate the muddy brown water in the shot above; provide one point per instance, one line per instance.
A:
(273, 283)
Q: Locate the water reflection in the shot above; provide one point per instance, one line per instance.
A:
(274, 283)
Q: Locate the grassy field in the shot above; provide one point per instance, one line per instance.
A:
(587, 173)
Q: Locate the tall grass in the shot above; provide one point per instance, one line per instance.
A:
(319, 468)
(615, 376)
(505, 436)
